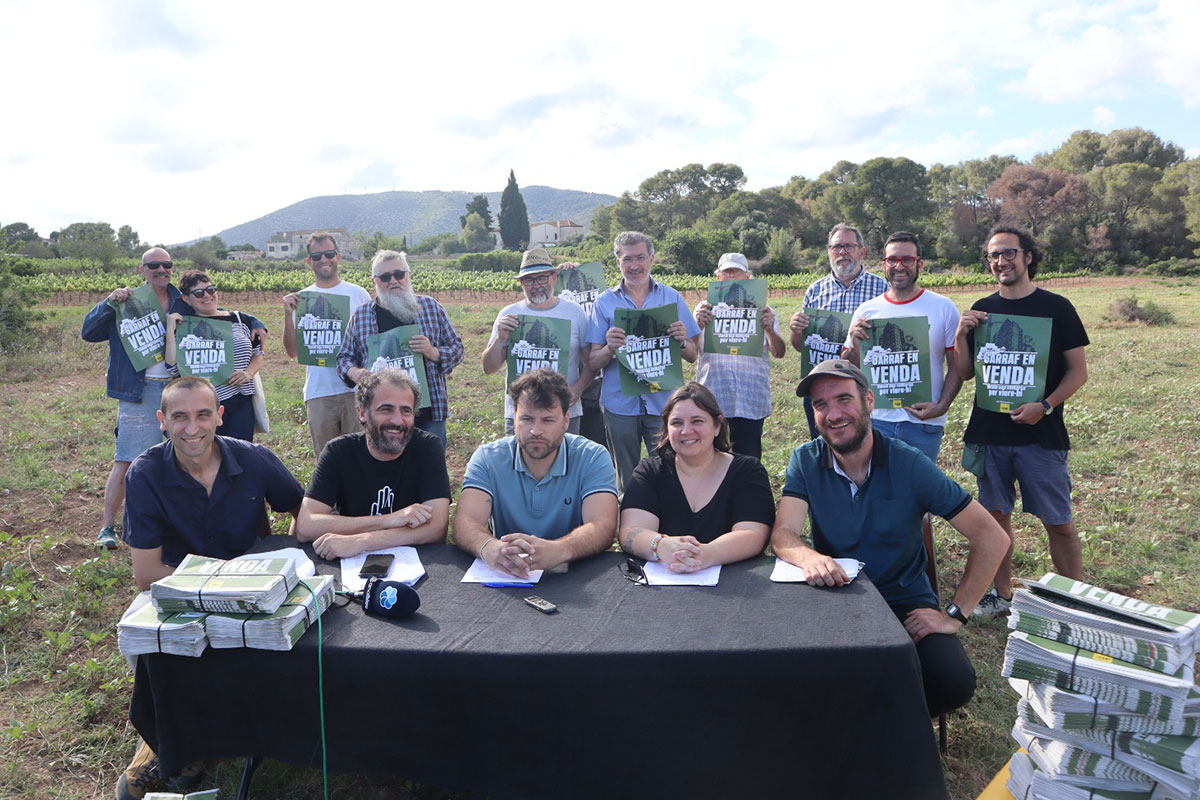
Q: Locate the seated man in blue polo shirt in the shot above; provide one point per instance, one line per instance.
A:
(866, 494)
(195, 493)
(551, 496)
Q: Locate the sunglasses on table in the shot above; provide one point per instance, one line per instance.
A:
(158, 264)
(199, 293)
(394, 275)
(319, 254)
(632, 571)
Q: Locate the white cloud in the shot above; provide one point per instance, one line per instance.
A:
(1103, 116)
(985, 112)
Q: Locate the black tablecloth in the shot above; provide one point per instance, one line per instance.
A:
(748, 689)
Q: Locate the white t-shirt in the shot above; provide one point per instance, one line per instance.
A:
(563, 309)
(324, 381)
(943, 323)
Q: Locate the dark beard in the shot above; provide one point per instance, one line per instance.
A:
(383, 444)
(849, 447)
(403, 307)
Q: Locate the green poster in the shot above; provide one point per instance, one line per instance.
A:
(204, 348)
(736, 325)
(538, 342)
(650, 361)
(321, 319)
(895, 357)
(581, 285)
(140, 326)
(1011, 354)
(390, 350)
(823, 338)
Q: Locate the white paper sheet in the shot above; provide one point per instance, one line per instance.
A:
(790, 573)
(657, 574)
(480, 572)
(406, 567)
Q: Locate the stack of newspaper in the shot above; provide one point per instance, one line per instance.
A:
(1109, 703)
(243, 585)
(282, 628)
(145, 629)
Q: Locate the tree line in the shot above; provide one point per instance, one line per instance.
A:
(1099, 202)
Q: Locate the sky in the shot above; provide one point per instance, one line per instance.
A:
(184, 118)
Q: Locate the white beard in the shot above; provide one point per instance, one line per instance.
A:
(402, 306)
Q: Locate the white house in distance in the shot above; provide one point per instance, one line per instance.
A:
(554, 232)
(290, 244)
(244, 255)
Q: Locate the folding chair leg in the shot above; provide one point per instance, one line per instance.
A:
(252, 763)
(942, 733)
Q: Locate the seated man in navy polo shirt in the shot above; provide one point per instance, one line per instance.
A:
(866, 494)
(551, 496)
(198, 492)
(388, 482)
(195, 493)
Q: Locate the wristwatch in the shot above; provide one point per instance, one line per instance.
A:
(1049, 409)
(953, 610)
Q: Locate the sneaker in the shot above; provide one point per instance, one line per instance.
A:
(992, 605)
(107, 538)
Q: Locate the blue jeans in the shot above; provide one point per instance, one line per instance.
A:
(427, 423)
(926, 438)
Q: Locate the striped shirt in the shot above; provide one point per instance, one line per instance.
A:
(435, 326)
(741, 384)
(243, 352)
(830, 294)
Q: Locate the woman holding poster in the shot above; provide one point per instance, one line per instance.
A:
(216, 344)
(679, 506)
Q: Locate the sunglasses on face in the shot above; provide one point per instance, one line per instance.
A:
(319, 254)
(210, 290)
(158, 264)
(394, 275)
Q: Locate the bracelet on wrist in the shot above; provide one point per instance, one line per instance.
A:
(654, 547)
(483, 547)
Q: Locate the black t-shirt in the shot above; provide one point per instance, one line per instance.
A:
(744, 496)
(354, 482)
(1067, 333)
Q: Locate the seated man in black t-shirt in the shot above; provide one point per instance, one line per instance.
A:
(388, 484)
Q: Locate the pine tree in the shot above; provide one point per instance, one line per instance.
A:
(514, 219)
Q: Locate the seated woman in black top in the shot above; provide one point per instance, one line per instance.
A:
(695, 504)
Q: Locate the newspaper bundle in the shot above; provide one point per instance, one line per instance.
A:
(1109, 707)
(279, 630)
(145, 629)
(242, 585)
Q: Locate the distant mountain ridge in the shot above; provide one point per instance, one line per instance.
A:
(420, 214)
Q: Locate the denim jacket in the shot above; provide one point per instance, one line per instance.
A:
(124, 383)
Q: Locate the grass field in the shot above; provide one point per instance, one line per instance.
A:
(64, 688)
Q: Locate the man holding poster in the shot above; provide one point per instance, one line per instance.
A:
(137, 388)
(542, 330)
(633, 406)
(421, 328)
(1029, 345)
(921, 423)
(847, 286)
(741, 381)
(322, 311)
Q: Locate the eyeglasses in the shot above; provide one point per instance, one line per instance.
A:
(209, 290)
(900, 261)
(319, 254)
(394, 275)
(158, 264)
(542, 279)
(843, 248)
(641, 258)
(1008, 254)
(633, 572)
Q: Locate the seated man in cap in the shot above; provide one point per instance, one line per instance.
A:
(865, 494)
(537, 277)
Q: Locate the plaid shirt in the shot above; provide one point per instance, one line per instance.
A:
(828, 293)
(434, 325)
(741, 384)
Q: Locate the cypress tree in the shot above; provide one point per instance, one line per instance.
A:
(514, 219)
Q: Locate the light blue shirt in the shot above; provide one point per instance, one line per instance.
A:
(549, 508)
(611, 396)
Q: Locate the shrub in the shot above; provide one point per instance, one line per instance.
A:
(783, 253)
(1128, 309)
(491, 261)
(1175, 268)
(16, 314)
